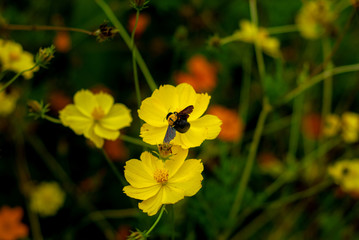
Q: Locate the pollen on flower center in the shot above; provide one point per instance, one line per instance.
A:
(161, 175)
(98, 113)
(14, 56)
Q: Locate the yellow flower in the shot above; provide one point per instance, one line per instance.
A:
(314, 18)
(350, 127)
(14, 58)
(7, 102)
(168, 99)
(46, 198)
(95, 116)
(346, 174)
(250, 33)
(157, 182)
(332, 125)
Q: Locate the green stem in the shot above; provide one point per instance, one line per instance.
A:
(114, 169)
(157, 220)
(118, 213)
(251, 157)
(282, 29)
(318, 78)
(300, 195)
(136, 141)
(123, 33)
(16, 76)
(134, 65)
(51, 119)
(257, 47)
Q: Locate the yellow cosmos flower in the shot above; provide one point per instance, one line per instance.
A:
(314, 18)
(14, 58)
(168, 99)
(250, 33)
(346, 174)
(95, 116)
(7, 102)
(350, 127)
(157, 182)
(47, 198)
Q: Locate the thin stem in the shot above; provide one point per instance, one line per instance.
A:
(136, 141)
(114, 169)
(157, 220)
(16, 76)
(52, 119)
(257, 47)
(123, 33)
(134, 65)
(300, 195)
(318, 78)
(282, 29)
(118, 213)
(251, 157)
(13, 27)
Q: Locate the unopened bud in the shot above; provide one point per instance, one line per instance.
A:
(138, 235)
(45, 55)
(139, 4)
(34, 106)
(214, 41)
(165, 150)
(105, 32)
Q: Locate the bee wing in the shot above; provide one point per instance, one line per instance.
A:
(185, 112)
(170, 134)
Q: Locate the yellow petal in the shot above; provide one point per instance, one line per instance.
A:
(118, 117)
(71, 117)
(105, 101)
(192, 138)
(200, 106)
(211, 123)
(188, 177)
(85, 101)
(153, 112)
(137, 176)
(150, 163)
(142, 193)
(152, 205)
(168, 97)
(176, 160)
(97, 140)
(186, 96)
(171, 194)
(106, 133)
(153, 135)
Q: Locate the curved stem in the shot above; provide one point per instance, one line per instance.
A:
(136, 141)
(134, 65)
(51, 119)
(16, 76)
(121, 30)
(251, 157)
(157, 220)
(114, 169)
(14, 27)
(318, 78)
(282, 29)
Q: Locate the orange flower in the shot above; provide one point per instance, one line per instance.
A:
(62, 42)
(312, 126)
(202, 74)
(143, 21)
(10, 226)
(232, 125)
(116, 150)
(101, 88)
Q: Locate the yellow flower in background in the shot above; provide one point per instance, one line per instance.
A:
(250, 33)
(350, 127)
(47, 198)
(14, 58)
(96, 116)
(158, 182)
(7, 102)
(167, 99)
(315, 18)
(346, 174)
(332, 125)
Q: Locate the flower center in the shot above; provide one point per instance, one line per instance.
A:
(161, 176)
(14, 56)
(98, 113)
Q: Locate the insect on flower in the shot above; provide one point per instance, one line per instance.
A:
(177, 121)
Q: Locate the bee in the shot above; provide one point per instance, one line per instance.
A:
(177, 121)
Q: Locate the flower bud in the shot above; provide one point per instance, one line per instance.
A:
(139, 4)
(45, 55)
(165, 150)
